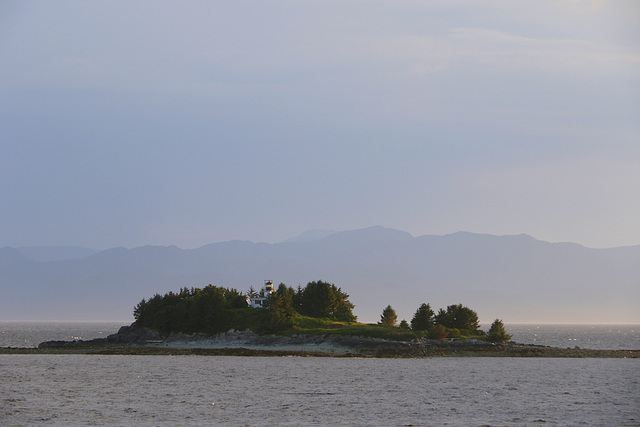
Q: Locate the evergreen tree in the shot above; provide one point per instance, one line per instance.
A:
(280, 308)
(297, 299)
(252, 293)
(458, 316)
(404, 324)
(322, 299)
(497, 332)
(235, 299)
(423, 318)
(388, 316)
(209, 310)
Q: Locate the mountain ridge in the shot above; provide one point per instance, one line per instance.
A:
(515, 277)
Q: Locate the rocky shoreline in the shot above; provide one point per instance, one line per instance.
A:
(134, 341)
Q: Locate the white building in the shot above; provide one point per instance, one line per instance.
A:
(259, 300)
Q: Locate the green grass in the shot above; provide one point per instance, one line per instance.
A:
(311, 326)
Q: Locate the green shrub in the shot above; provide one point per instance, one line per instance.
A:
(388, 316)
(423, 318)
(497, 332)
(438, 332)
(453, 333)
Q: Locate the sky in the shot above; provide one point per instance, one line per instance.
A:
(127, 123)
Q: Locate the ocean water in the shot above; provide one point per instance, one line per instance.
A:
(30, 334)
(597, 337)
(70, 390)
(205, 390)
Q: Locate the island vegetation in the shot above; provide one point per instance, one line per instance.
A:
(316, 320)
(319, 308)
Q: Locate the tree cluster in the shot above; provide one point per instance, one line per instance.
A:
(447, 322)
(211, 309)
(317, 299)
(216, 309)
(457, 316)
(322, 299)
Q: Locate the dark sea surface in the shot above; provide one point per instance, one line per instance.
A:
(206, 390)
(72, 390)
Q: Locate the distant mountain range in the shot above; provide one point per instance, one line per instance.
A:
(515, 278)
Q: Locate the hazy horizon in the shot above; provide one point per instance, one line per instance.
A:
(516, 278)
(289, 238)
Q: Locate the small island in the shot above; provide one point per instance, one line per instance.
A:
(316, 320)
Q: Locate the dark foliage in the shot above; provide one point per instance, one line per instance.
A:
(497, 332)
(388, 316)
(215, 309)
(458, 317)
(280, 309)
(438, 332)
(209, 310)
(322, 299)
(423, 318)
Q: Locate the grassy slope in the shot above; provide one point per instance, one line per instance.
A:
(322, 326)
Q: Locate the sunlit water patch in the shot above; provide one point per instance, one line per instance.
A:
(30, 334)
(598, 337)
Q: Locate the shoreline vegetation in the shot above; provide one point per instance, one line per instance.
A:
(131, 341)
(315, 321)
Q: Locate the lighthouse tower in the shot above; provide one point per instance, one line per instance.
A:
(259, 300)
(268, 287)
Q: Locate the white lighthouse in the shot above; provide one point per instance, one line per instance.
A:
(259, 300)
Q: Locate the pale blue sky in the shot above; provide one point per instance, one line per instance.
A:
(125, 123)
